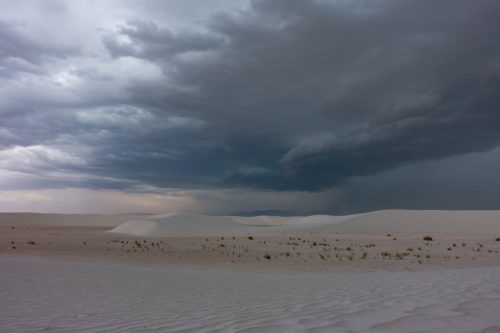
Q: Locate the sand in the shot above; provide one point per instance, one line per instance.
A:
(61, 296)
(196, 225)
(385, 240)
(196, 273)
(400, 221)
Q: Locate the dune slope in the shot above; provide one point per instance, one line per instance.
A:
(402, 221)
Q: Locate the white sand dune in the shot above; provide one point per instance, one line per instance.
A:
(104, 296)
(179, 225)
(182, 225)
(374, 222)
(42, 295)
(467, 221)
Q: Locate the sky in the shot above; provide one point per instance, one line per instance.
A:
(249, 106)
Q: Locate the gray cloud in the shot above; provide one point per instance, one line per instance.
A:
(340, 90)
(13, 44)
(146, 40)
(279, 95)
(21, 53)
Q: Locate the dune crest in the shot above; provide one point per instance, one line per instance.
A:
(193, 225)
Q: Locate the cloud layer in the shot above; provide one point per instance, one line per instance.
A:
(281, 95)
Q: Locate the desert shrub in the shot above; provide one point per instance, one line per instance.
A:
(497, 239)
(427, 238)
(31, 242)
(401, 255)
(267, 256)
(250, 237)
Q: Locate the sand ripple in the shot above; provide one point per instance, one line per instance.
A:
(53, 296)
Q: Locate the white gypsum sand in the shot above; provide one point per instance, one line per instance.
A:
(406, 221)
(58, 296)
(193, 225)
(371, 272)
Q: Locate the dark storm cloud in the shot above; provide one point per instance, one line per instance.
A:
(282, 95)
(306, 94)
(455, 183)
